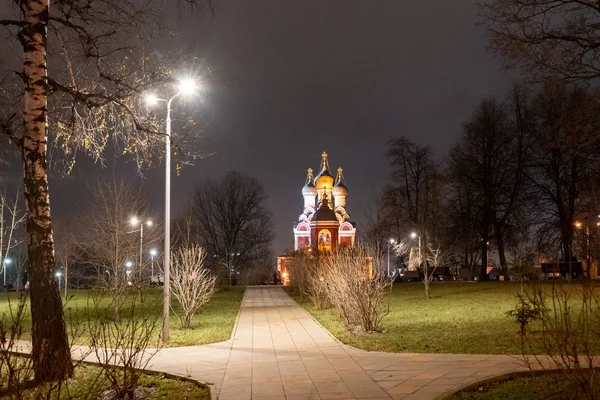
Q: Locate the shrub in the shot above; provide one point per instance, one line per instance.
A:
(357, 290)
(567, 330)
(191, 283)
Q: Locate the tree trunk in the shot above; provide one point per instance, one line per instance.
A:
(51, 353)
(502, 253)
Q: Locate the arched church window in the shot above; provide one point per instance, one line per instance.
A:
(324, 240)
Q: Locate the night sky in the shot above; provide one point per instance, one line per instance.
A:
(294, 78)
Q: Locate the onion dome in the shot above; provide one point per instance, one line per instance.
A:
(324, 212)
(309, 188)
(324, 179)
(339, 189)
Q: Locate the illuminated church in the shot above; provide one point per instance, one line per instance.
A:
(324, 224)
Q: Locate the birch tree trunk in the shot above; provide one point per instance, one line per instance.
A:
(51, 352)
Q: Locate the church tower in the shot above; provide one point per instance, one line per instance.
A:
(324, 224)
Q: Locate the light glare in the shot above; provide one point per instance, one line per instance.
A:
(153, 252)
(413, 235)
(151, 99)
(134, 221)
(187, 86)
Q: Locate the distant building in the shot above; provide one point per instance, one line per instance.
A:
(324, 224)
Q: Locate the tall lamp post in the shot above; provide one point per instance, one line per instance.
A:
(137, 222)
(185, 87)
(7, 261)
(59, 276)
(390, 242)
(153, 253)
(414, 236)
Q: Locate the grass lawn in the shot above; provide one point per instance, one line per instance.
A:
(88, 382)
(213, 324)
(553, 386)
(459, 318)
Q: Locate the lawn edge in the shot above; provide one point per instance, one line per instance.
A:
(499, 379)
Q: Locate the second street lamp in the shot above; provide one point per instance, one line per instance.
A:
(390, 242)
(153, 253)
(185, 87)
(6, 262)
(136, 222)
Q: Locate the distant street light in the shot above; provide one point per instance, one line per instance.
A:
(59, 275)
(414, 236)
(136, 222)
(186, 86)
(153, 253)
(390, 242)
(7, 261)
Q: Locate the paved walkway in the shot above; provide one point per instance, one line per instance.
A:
(278, 351)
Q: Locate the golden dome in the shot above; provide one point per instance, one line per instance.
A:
(340, 188)
(324, 180)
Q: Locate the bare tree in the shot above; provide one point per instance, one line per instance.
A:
(232, 220)
(11, 217)
(489, 171)
(564, 152)
(414, 197)
(549, 38)
(191, 282)
(106, 239)
(99, 65)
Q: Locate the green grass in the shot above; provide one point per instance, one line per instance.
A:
(465, 318)
(552, 386)
(213, 324)
(89, 382)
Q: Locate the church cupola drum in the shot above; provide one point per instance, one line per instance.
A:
(324, 224)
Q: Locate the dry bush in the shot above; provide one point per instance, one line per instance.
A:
(563, 322)
(191, 283)
(16, 367)
(356, 289)
(15, 370)
(126, 342)
(307, 279)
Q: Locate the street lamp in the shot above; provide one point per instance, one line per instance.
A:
(186, 86)
(414, 236)
(153, 253)
(59, 275)
(390, 242)
(7, 261)
(135, 222)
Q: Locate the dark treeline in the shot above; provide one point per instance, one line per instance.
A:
(521, 183)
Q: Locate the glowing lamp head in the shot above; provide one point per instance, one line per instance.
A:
(58, 274)
(413, 235)
(577, 224)
(7, 261)
(187, 86)
(153, 252)
(149, 223)
(129, 264)
(392, 241)
(134, 221)
(151, 99)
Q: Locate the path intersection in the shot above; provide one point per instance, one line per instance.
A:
(278, 351)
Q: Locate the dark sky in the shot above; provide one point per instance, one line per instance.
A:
(294, 78)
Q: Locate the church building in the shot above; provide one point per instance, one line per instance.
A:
(324, 223)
